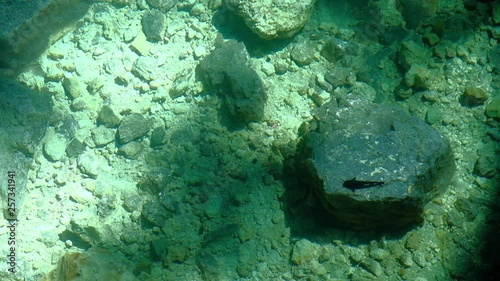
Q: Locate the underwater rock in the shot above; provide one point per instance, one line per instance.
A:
(132, 127)
(492, 109)
(273, 19)
(374, 165)
(108, 117)
(415, 12)
(93, 264)
(227, 72)
(54, 147)
(153, 25)
(162, 5)
(131, 150)
(24, 117)
(303, 52)
(75, 148)
(102, 136)
(29, 27)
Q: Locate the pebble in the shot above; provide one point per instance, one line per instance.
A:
(199, 51)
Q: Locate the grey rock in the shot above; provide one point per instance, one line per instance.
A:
(303, 52)
(410, 161)
(86, 163)
(24, 117)
(433, 115)
(54, 147)
(153, 25)
(159, 248)
(145, 68)
(273, 19)
(74, 87)
(131, 150)
(75, 148)
(162, 5)
(79, 104)
(132, 127)
(336, 49)
(154, 213)
(372, 266)
(158, 137)
(485, 166)
(227, 72)
(28, 26)
(102, 136)
(108, 117)
(338, 76)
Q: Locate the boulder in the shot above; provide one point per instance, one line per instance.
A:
(227, 71)
(273, 19)
(374, 165)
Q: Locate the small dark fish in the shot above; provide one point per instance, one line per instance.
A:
(359, 184)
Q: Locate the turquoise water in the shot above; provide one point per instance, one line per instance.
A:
(157, 166)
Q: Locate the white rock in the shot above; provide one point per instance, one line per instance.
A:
(199, 51)
(54, 147)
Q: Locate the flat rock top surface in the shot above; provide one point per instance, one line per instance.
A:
(378, 143)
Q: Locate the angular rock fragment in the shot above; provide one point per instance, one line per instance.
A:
(273, 19)
(153, 25)
(375, 165)
(227, 72)
(132, 127)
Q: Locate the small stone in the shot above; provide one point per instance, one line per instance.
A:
(379, 254)
(79, 104)
(131, 150)
(268, 69)
(80, 195)
(140, 45)
(406, 260)
(473, 96)
(162, 5)
(158, 137)
(372, 266)
(430, 95)
(417, 76)
(54, 148)
(199, 51)
(153, 25)
(303, 52)
(74, 87)
(485, 166)
(431, 39)
(87, 164)
(145, 68)
(132, 127)
(303, 252)
(493, 108)
(108, 117)
(75, 148)
(102, 136)
(433, 116)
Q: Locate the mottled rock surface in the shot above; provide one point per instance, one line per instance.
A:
(132, 127)
(24, 116)
(227, 71)
(273, 19)
(28, 25)
(408, 160)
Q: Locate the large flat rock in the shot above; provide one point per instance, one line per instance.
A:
(375, 165)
